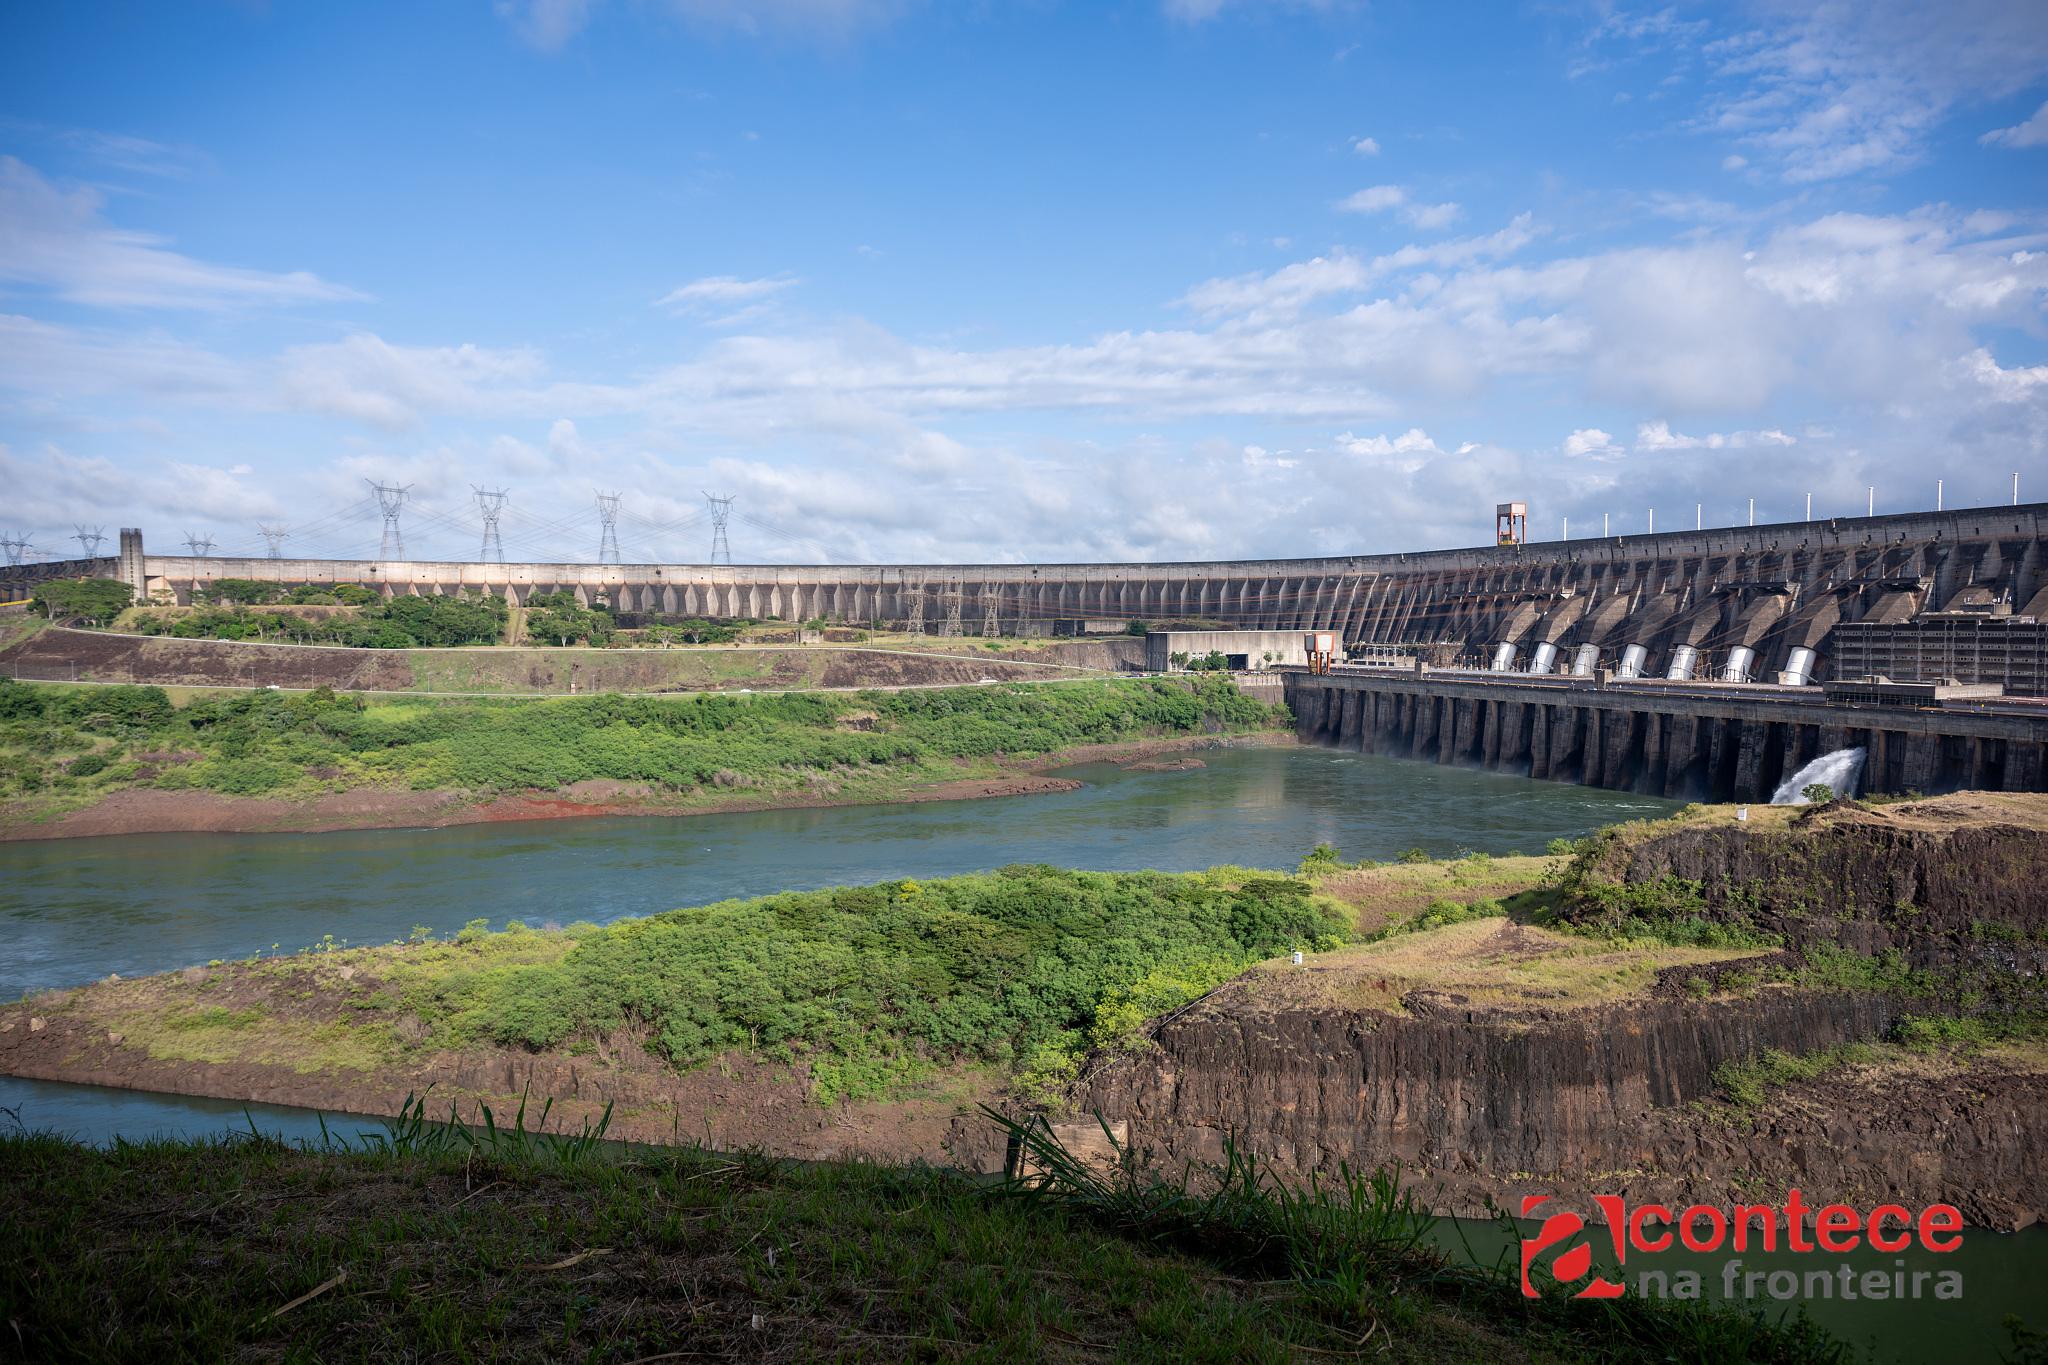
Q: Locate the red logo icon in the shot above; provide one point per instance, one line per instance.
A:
(1575, 1261)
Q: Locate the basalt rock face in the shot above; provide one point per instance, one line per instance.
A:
(1484, 1103)
(1447, 1088)
(1482, 1107)
(1939, 892)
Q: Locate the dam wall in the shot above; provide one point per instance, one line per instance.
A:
(1754, 597)
(1698, 742)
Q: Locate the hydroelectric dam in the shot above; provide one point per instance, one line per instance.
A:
(1706, 662)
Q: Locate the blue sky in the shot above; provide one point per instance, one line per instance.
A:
(925, 281)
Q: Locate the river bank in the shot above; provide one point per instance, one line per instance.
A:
(145, 811)
(126, 760)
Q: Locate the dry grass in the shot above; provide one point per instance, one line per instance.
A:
(1392, 892)
(1490, 962)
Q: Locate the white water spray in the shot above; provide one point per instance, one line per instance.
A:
(1838, 771)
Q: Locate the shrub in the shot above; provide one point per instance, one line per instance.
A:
(1817, 793)
(871, 985)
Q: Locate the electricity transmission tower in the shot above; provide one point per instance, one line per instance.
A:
(950, 627)
(391, 500)
(200, 546)
(608, 524)
(490, 502)
(721, 511)
(991, 623)
(89, 541)
(915, 626)
(16, 547)
(274, 537)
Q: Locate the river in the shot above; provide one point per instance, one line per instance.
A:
(74, 910)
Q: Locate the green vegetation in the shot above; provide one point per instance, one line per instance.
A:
(429, 1241)
(1817, 793)
(1748, 1083)
(1970, 1033)
(1439, 913)
(96, 601)
(697, 631)
(859, 746)
(872, 986)
(401, 623)
(558, 618)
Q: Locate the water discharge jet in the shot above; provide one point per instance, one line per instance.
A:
(1837, 771)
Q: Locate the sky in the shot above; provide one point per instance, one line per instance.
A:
(979, 281)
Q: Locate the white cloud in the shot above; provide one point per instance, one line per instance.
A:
(1734, 161)
(57, 240)
(1414, 441)
(1658, 436)
(1711, 349)
(368, 379)
(1394, 198)
(2020, 384)
(723, 291)
(1285, 290)
(1366, 146)
(1842, 88)
(2031, 133)
(1590, 441)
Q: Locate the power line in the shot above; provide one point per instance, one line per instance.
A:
(608, 528)
(16, 547)
(721, 510)
(89, 541)
(491, 503)
(390, 500)
(200, 546)
(274, 537)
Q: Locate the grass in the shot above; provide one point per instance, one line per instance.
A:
(217, 1034)
(427, 1242)
(1487, 960)
(1389, 895)
(684, 749)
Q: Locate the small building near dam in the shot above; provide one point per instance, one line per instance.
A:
(1243, 650)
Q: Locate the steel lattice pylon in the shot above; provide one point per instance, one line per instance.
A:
(608, 528)
(490, 503)
(721, 512)
(391, 500)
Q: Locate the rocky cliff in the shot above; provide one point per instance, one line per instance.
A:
(1958, 878)
(1483, 1097)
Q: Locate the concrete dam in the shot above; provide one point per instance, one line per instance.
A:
(1704, 742)
(1686, 663)
(1965, 590)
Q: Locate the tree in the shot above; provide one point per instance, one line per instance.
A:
(98, 600)
(1817, 793)
(558, 618)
